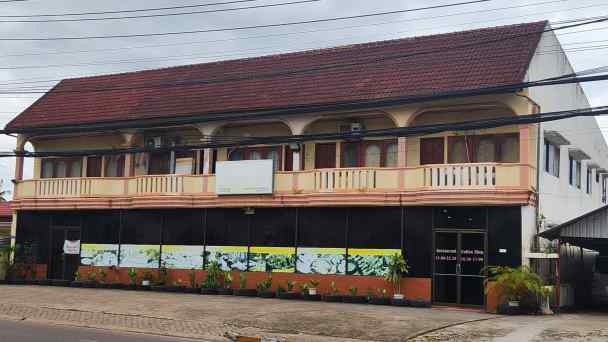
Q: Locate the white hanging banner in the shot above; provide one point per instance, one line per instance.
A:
(71, 247)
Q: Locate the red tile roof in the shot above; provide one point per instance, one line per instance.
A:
(5, 209)
(454, 68)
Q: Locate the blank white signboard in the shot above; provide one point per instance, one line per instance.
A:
(244, 177)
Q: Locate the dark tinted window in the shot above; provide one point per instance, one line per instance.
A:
(504, 236)
(227, 227)
(322, 227)
(460, 217)
(101, 227)
(32, 237)
(273, 227)
(183, 227)
(419, 240)
(375, 228)
(141, 227)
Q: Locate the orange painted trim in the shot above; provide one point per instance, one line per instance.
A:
(413, 288)
(411, 198)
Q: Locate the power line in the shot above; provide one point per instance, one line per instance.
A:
(125, 11)
(159, 14)
(409, 131)
(326, 67)
(241, 28)
(62, 52)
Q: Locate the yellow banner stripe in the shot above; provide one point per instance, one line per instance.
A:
(314, 250)
(273, 250)
(227, 249)
(378, 252)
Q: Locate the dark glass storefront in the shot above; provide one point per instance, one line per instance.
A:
(449, 245)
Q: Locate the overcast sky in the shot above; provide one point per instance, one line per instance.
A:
(27, 61)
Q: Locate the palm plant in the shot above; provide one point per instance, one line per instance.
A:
(397, 267)
(514, 284)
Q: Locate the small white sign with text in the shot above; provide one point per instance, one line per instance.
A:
(244, 177)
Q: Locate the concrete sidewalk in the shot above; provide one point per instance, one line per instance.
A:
(212, 317)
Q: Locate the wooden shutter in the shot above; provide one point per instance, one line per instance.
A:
(325, 156)
(93, 166)
(431, 151)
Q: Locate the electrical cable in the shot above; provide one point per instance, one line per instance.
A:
(299, 2)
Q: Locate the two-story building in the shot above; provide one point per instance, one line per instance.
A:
(329, 209)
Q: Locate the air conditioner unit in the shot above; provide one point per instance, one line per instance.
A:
(351, 127)
(154, 142)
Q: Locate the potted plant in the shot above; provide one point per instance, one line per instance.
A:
(177, 286)
(289, 293)
(381, 297)
(91, 281)
(305, 293)
(313, 284)
(103, 277)
(514, 285)
(396, 268)
(333, 295)
(353, 296)
(76, 282)
(225, 289)
(265, 287)
(211, 282)
(146, 280)
(132, 273)
(419, 303)
(243, 290)
(193, 284)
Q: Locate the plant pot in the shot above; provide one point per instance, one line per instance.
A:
(76, 283)
(16, 281)
(513, 303)
(116, 286)
(131, 287)
(103, 286)
(308, 296)
(176, 289)
(207, 291)
(333, 298)
(400, 302)
(289, 295)
(246, 292)
(145, 283)
(266, 294)
(47, 282)
(506, 309)
(420, 303)
(89, 284)
(33, 282)
(398, 296)
(142, 288)
(354, 299)
(312, 291)
(225, 292)
(380, 301)
(192, 290)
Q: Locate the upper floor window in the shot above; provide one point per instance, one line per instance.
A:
(369, 153)
(589, 180)
(552, 159)
(494, 148)
(604, 188)
(61, 167)
(575, 172)
(258, 153)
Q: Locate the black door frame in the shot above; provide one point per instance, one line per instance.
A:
(64, 230)
(458, 275)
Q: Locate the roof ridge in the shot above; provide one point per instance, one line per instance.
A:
(308, 51)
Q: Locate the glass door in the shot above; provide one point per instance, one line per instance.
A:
(63, 266)
(459, 260)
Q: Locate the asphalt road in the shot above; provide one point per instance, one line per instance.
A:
(20, 331)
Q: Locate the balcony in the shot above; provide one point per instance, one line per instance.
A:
(488, 183)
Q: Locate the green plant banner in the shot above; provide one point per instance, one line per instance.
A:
(321, 260)
(182, 257)
(229, 257)
(99, 254)
(145, 256)
(272, 259)
(369, 262)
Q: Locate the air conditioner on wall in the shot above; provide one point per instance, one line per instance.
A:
(351, 127)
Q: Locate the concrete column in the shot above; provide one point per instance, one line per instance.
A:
(207, 159)
(21, 141)
(524, 154)
(13, 232)
(402, 152)
(296, 160)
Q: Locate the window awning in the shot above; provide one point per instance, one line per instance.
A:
(578, 154)
(555, 138)
(593, 165)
